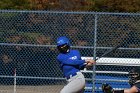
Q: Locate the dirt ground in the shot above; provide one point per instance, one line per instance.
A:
(31, 89)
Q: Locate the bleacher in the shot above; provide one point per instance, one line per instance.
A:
(113, 73)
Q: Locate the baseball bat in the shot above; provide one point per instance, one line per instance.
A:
(114, 48)
(108, 52)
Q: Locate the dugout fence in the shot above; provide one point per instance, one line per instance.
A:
(28, 47)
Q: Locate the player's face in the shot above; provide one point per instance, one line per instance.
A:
(64, 48)
(133, 77)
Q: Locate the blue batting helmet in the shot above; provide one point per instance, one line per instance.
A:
(63, 40)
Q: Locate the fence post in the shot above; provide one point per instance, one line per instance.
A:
(15, 80)
(94, 66)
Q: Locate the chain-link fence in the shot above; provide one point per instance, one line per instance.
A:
(28, 48)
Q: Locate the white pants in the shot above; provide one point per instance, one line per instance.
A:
(75, 84)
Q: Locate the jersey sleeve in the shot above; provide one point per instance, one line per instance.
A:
(68, 61)
(72, 62)
(82, 66)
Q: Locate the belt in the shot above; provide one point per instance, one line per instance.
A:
(70, 76)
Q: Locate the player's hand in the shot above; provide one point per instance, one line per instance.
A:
(89, 65)
(90, 62)
(106, 88)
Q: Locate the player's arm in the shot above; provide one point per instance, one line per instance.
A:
(74, 62)
(131, 90)
(67, 61)
(89, 63)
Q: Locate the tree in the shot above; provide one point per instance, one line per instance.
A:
(118, 5)
(14, 4)
(73, 5)
(77, 5)
(44, 4)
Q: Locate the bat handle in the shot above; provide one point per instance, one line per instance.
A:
(97, 58)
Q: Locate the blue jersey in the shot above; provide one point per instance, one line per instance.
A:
(70, 62)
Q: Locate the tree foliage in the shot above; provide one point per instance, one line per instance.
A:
(73, 5)
(14, 4)
(44, 4)
(118, 5)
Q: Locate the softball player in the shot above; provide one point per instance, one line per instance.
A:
(71, 63)
(134, 81)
